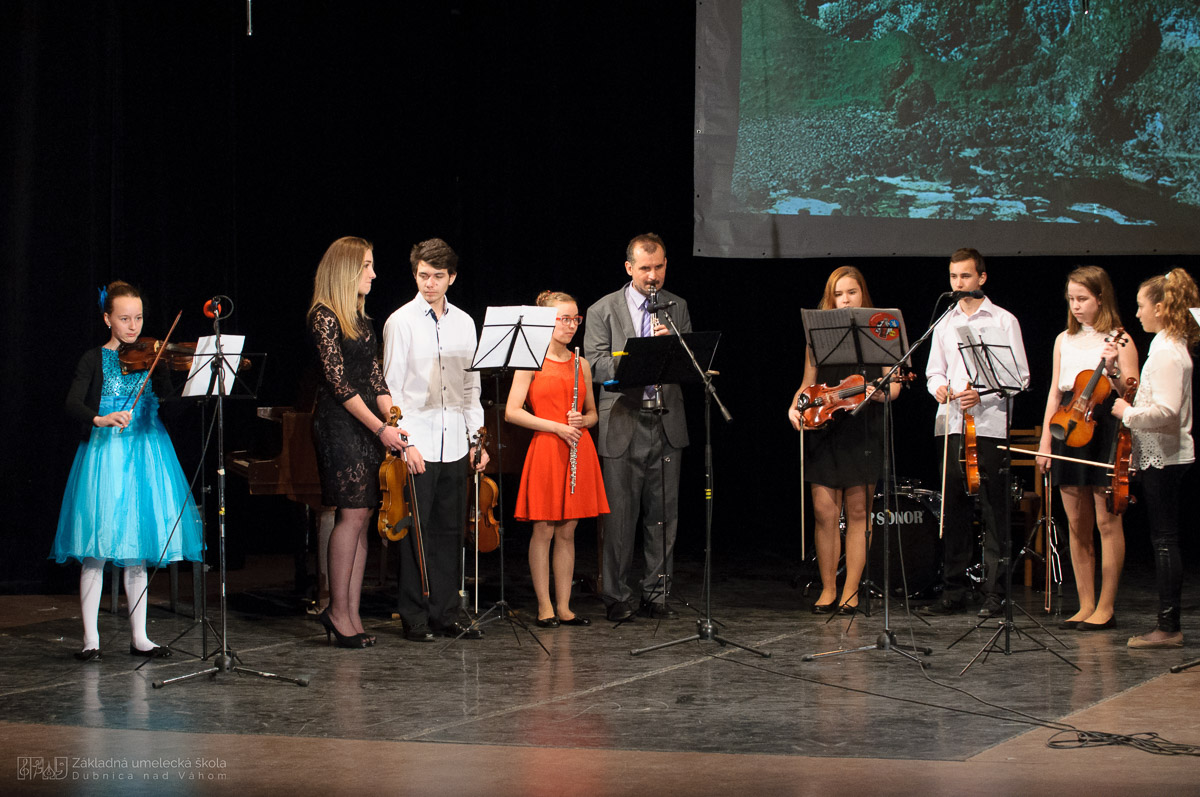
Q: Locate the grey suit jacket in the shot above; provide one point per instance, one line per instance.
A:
(607, 327)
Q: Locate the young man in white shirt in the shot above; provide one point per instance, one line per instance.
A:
(428, 344)
(948, 380)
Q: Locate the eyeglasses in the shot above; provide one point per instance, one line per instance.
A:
(570, 320)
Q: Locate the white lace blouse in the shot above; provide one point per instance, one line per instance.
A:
(1161, 415)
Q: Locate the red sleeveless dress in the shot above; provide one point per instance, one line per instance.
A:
(545, 492)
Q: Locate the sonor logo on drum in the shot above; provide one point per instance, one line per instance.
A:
(904, 517)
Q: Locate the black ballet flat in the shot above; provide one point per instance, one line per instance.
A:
(1086, 626)
(846, 608)
(91, 654)
(549, 622)
(576, 620)
(824, 608)
(156, 652)
(1069, 625)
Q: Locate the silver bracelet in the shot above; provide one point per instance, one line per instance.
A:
(379, 431)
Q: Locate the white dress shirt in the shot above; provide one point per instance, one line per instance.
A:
(424, 362)
(1161, 415)
(991, 324)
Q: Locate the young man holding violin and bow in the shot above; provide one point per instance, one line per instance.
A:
(948, 380)
(427, 349)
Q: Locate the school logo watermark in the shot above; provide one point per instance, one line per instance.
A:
(76, 768)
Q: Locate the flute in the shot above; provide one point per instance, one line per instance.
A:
(575, 408)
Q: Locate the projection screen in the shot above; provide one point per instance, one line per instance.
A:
(885, 127)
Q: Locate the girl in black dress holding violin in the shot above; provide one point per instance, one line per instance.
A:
(1161, 421)
(1092, 317)
(126, 499)
(348, 427)
(842, 459)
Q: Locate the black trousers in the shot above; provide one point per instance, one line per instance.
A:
(1160, 488)
(958, 530)
(442, 508)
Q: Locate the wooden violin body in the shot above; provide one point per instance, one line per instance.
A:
(970, 454)
(1116, 497)
(140, 355)
(398, 512)
(483, 530)
(1074, 423)
(818, 403)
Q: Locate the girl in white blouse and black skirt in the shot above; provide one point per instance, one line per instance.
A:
(1161, 421)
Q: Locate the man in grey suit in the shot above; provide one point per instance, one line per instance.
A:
(639, 447)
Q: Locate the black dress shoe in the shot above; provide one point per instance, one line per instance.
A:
(620, 611)
(658, 610)
(1084, 625)
(418, 633)
(548, 622)
(846, 608)
(458, 631)
(992, 605)
(156, 652)
(943, 608)
(91, 654)
(576, 620)
(824, 608)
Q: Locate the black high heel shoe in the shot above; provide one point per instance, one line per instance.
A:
(352, 641)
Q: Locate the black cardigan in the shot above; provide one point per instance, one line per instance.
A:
(83, 398)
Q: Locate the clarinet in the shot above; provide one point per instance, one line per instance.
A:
(575, 407)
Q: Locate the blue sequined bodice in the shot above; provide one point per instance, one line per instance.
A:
(116, 383)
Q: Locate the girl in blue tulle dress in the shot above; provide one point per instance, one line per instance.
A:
(127, 499)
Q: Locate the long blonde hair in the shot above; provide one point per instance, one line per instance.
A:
(1176, 291)
(336, 284)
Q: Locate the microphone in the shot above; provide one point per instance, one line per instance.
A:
(212, 308)
(976, 294)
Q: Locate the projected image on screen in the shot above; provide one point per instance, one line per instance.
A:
(970, 110)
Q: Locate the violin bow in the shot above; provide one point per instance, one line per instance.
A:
(416, 514)
(150, 370)
(945, 459)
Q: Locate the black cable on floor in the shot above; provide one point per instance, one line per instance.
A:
(1147, 741)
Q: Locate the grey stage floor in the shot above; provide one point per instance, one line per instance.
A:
(586, 692)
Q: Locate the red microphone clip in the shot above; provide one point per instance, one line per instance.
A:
(212, 308)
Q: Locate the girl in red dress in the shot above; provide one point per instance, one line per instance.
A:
(545, 497)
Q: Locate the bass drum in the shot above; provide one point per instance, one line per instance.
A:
(916, 550)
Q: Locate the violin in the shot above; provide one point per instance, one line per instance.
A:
(483, 530)
(140, 355)
(818, 403)
(1116, 496)
(1073, 423)
(398, 503)
(970, 454)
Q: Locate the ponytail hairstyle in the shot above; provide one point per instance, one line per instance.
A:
(829, 301)
(551, 298)
(336, 284)
(1096, 280)
(1176, 291)
(114, 289)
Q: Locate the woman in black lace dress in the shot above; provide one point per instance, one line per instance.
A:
(352, 400)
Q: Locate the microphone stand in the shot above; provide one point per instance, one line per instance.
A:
(225, 660)
(705, 626)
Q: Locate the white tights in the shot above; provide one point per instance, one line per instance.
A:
(91, 588)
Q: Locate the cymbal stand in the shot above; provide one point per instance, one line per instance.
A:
(226, 660)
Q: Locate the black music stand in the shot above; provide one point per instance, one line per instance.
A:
(868, 337)
(222, 376)
(993, 366)
(512, 339)
(675, 359)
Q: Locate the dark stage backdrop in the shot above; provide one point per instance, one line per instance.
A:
(155, 142)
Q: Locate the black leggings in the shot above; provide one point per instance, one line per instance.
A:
(1160, 488)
